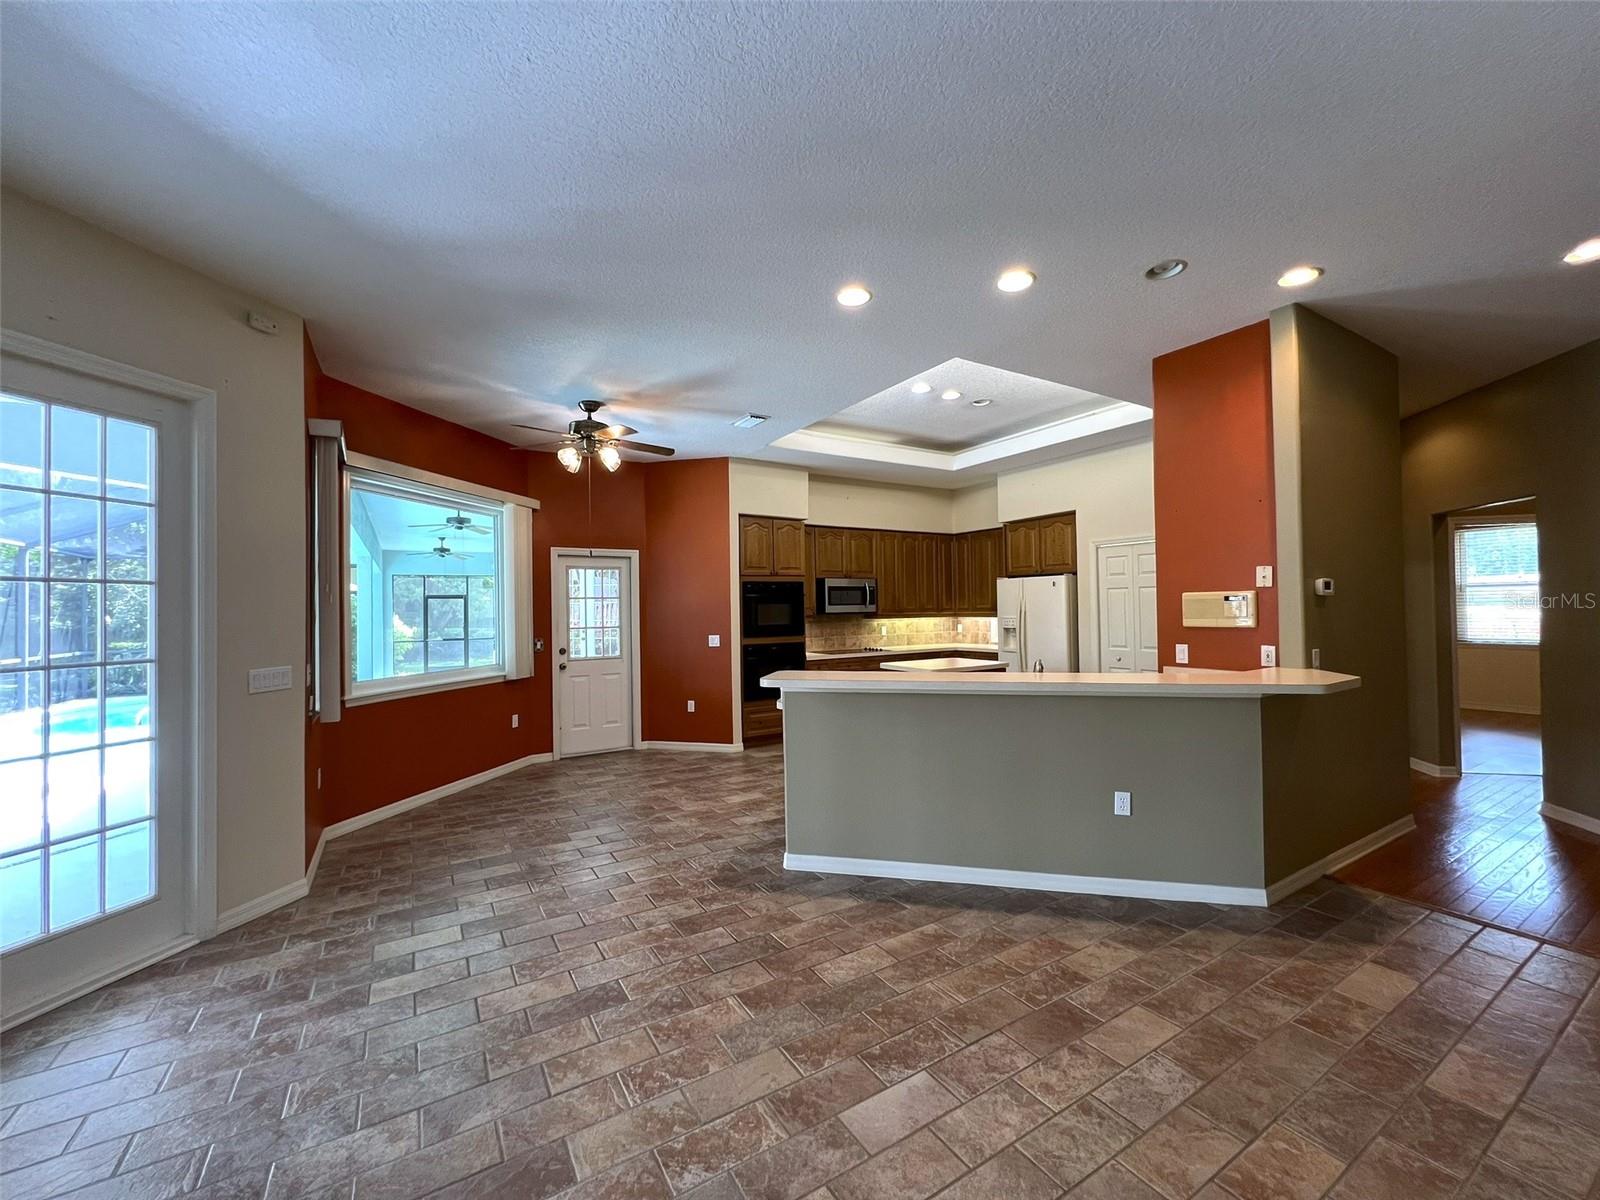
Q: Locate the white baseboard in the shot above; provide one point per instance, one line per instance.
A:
(261, 905)
(340, 828)
(710, 747)
(1095, 885)
(1566, 816)
(1434, 769)
(1290, 884)
(18, 1016)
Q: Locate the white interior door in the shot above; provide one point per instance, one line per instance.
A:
(97, 621)
(594, 653)
(1126, 577)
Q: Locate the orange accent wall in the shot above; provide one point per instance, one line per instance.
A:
(1215, 512)
(384, 752)
(686, 570)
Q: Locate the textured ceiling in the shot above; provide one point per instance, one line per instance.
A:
(489, 210)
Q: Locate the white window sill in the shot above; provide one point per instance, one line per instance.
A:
(415, 685)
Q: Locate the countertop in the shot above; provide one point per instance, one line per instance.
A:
(1239, 685)
(944, 664)
(890, 652)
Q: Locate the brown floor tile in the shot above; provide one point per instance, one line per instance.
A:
(1560, 1157)
(1068, 1074)
(885, 1118)
(1148, 1090)
(1114, 1182)
(739, 1084)
(1131, 1035)
(795, 1167)
(1180, 1153)
(981, 1065)
(1073, 1144)
(988, 1123)
(1337, 1117)
(1280, 1165)
(1442, 1130)
(1010, 1175)
(704, 1153)
(1386, 1171)
(907, 1053)
(911, 1170)
(817, 1097)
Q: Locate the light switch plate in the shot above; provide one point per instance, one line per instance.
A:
(713, 639)
(1183, 652)
(1269, 656)
(1263, 576)
(271, 679)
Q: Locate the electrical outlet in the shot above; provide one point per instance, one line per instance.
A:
(1316, 657)
(691, 706)
(883, 631)
(958, 626)
(516, 719)
(1122, 804)
(1263, 577)
(1183, 652)
(713, 639)
(1269, 656)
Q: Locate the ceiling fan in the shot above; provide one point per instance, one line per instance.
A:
(460, 523)
(439, 551)
(589, 438)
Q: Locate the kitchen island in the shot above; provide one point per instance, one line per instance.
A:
(1010, 779)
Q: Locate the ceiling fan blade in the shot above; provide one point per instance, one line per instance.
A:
(540, 429)
(544, 446)
(645, 448)
(619, 431)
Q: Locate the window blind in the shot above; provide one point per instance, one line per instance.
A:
(1497, 584)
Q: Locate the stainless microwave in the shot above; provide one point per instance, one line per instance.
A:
(847, 595)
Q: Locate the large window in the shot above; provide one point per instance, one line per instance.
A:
(1497, 583)
(427, 577)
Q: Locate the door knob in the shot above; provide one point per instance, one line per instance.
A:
(561, 666)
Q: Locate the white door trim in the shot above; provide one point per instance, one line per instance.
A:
(200, 794)
(637, 690)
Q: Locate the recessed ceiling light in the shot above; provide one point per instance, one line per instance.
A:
(1167, 268)
(922, 387)
(950, 394)
(852, 295)
(982, 403)
(1015, 279)
(1583, 252)
(1299, 276)
(749, 420)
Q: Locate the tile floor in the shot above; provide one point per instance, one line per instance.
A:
(594, 980)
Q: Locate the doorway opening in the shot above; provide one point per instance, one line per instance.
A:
(1495, 611)
(594, 598)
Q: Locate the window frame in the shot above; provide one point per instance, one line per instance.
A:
(515, 590)
(1457, 527)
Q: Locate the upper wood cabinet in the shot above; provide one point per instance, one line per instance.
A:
(772, 546)
(755, 545)
(828, 552)
(845, 553)
(788, 547)
(1042, 545)
(977, 559)
(1022, 548)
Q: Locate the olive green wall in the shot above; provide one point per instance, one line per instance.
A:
(1024, 783)
(1336, 396)
(1535, 433)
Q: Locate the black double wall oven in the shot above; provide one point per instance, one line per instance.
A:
(771, 609)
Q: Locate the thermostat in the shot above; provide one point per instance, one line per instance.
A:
(1323, 586)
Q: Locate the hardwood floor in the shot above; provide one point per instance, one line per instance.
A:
(593, 979)
(1481, 850)
(1498, 743)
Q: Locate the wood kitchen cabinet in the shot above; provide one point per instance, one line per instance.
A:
(977, 559)
(918, 574)
(788, 547)
(772, 546)
(845, 553)
(1042, 545)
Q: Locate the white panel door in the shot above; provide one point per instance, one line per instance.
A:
(594, 653)
(97, 625)
(1126, 578)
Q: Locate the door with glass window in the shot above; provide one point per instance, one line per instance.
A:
(94, 656)
(594, 653)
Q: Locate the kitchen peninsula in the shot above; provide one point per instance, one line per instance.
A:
(1009, 779)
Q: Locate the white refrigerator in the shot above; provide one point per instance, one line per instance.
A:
(1038, 622)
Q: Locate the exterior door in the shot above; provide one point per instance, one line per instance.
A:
(594, 653)
(1127, 582)
(97, 623)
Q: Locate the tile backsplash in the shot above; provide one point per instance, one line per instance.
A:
(855, 633)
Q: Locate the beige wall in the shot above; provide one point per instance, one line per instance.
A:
(864, 505)
(1535, 433)
(1339, 418)
(768, 490)
(1113, 493)
(1498, 678)
(79, 286)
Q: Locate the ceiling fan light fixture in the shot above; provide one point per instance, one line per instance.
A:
(571, 458)
(610, 457)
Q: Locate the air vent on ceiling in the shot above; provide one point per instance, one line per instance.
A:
(749, 420)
